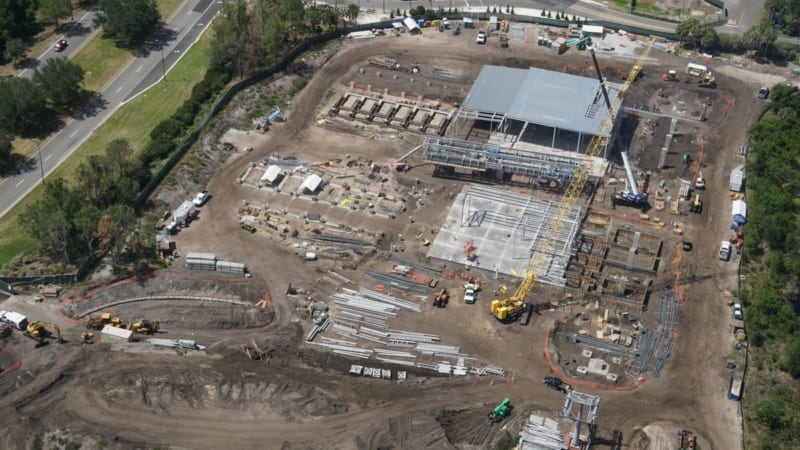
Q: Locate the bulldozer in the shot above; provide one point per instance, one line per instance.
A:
(42, 330)
(509, 308)
(670, 76)
(144, 327)
(97, 323)
(440, 298)
(708, 81)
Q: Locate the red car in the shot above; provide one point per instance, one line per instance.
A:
(60, 45)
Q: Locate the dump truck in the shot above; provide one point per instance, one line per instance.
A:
(500, 411)
(144, 327)
(97, 323)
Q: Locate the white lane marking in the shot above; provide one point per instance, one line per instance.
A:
(73, 133)
(138, 69)
(48, 157)
(20, 182)
(119, 89)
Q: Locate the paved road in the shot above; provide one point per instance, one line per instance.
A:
(192, 17)
(742, 13)
(76, 36)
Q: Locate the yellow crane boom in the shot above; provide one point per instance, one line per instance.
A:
(506, 306)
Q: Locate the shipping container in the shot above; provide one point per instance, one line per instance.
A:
(735, 390)
(201, 256)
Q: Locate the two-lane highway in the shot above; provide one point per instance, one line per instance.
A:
(186, 26)
(76, 36)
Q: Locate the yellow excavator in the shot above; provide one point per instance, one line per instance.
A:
(41, 330)
(97, 323)
(144, 327)
(509, 308)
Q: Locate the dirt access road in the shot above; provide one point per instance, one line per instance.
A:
(301, 399)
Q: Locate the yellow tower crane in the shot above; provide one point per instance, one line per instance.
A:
(510, 307)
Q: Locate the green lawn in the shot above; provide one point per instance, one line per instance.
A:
(101, 59)
(132, 121)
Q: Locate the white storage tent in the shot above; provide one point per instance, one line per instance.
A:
(311, 184)
(272, 175)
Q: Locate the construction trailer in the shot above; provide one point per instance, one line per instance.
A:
(112, 333)
(737, 179)
(735, 388)
(14, 319)
(182, 213)
(697, 70)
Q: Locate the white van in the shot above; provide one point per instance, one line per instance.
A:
(15, 319)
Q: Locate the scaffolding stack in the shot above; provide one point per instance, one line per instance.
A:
(667, 324)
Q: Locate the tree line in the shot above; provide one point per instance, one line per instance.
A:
(771, 286)
(93, 216)
(760, 39)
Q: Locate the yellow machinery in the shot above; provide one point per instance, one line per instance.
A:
(41, 330)
(144, 327)
(708, 81)
(97, 323)
(503, 308)
(510, 307)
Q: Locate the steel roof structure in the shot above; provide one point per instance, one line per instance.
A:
(538, 96)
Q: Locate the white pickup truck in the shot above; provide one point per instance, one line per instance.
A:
(724, 251)
(201, 198)
(470, 293)
(481, 39)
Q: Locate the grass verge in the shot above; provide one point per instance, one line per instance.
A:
(101, 60)
(132, 122)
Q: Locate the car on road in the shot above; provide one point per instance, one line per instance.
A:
(687, 246)
(61, 44)
(481, 39)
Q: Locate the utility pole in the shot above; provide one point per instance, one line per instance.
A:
(41, 165)
(163, 65)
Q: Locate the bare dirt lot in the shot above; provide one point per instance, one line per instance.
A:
(112, 395)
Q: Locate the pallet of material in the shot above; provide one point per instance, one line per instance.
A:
(420, 119)
(366, 109)
(386, 110)
(351, 104)
(401, 117)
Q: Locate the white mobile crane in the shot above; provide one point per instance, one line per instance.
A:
(505, 306)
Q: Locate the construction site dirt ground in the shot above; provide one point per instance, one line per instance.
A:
(120, 396)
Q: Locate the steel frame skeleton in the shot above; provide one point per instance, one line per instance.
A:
(527, 218)
(480, 156)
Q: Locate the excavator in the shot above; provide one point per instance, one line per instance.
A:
(509, 308)
(97, 323)
(41, 330)
(144, 327)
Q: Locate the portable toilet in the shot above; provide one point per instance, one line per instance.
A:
(468, 23)
(493, 23)
(421, 23)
